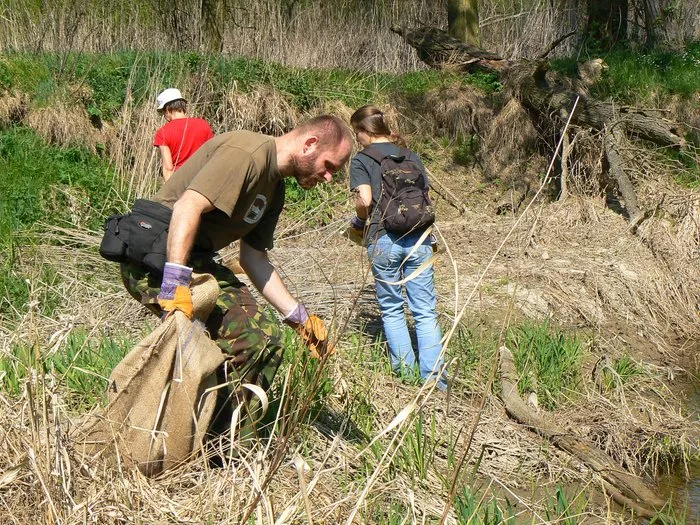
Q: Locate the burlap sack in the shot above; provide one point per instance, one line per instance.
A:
(163, 393)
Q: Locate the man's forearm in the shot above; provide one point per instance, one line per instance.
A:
(184, 225)
(183, 231)
(265, 278)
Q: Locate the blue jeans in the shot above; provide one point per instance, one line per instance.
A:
(390, 260)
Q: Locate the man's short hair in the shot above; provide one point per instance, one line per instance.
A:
(330, 129)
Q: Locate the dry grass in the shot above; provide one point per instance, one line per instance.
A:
(329, 34)
(13, 107)
(575, 261)
(65, 124)
(264, 110)
(458, 111)
(509, 145)
(347, 482)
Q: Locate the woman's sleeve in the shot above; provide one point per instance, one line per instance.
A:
(358, 174)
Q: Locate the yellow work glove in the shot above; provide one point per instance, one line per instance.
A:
(356, 231)
(311, 329)
(315, 336)
(175, 290)
(356, 236)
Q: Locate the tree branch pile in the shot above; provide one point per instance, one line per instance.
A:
(548, 97)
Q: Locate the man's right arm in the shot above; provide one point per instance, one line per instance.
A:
(187, 214)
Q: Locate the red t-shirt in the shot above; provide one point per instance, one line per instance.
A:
(183, 136)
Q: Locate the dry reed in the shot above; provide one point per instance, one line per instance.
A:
(331, 34)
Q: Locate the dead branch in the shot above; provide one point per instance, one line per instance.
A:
(551, 47)
(438, 187)
(613, 141)
(440, 50)
(625, 488)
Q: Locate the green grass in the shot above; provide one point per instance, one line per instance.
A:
(317, 206)
(466, 150)
(80, 364)
(548, 361)
(42, 184)
(419, 447)
(624, 370)
(112, 77)
(473, 507)
(474, 351)
(639, 78)
(307, 384)
(560, 510)
(688, 171)
(389, 513)
(37, 176)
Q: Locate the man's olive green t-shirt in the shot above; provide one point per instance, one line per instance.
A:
(237, 171)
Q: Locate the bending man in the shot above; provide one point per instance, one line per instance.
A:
(232, 188)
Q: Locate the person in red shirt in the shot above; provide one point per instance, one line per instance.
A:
(182, 135)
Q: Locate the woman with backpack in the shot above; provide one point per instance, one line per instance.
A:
(393, 212)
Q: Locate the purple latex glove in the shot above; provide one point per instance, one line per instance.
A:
(174, 275)
(297, 316)
(357, 223)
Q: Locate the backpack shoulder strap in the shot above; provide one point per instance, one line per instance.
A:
(406, 153)
(374, 154)
(377, 156)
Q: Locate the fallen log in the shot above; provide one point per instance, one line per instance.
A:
(528, 80)
(612, 142)
(624, 487)
(549, 98)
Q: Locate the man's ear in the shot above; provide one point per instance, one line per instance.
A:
(310, 143)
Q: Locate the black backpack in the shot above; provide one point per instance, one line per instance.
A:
(404, 204)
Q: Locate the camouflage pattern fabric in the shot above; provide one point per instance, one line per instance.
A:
(242, 330)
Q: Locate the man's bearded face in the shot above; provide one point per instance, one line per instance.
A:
(306, 172)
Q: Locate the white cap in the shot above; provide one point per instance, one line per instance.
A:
(168, 95)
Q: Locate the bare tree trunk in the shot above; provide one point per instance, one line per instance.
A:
(651, 15)
(212, 25)
(463, 20)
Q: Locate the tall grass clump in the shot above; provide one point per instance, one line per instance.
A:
(623, 371)
(548, 361)
(559, 509)
(651, 77)
(474, 353)
(474, 507)
(420, 445)
(78, 363)
(301, 386)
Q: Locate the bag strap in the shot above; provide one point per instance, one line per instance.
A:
(377, 156)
